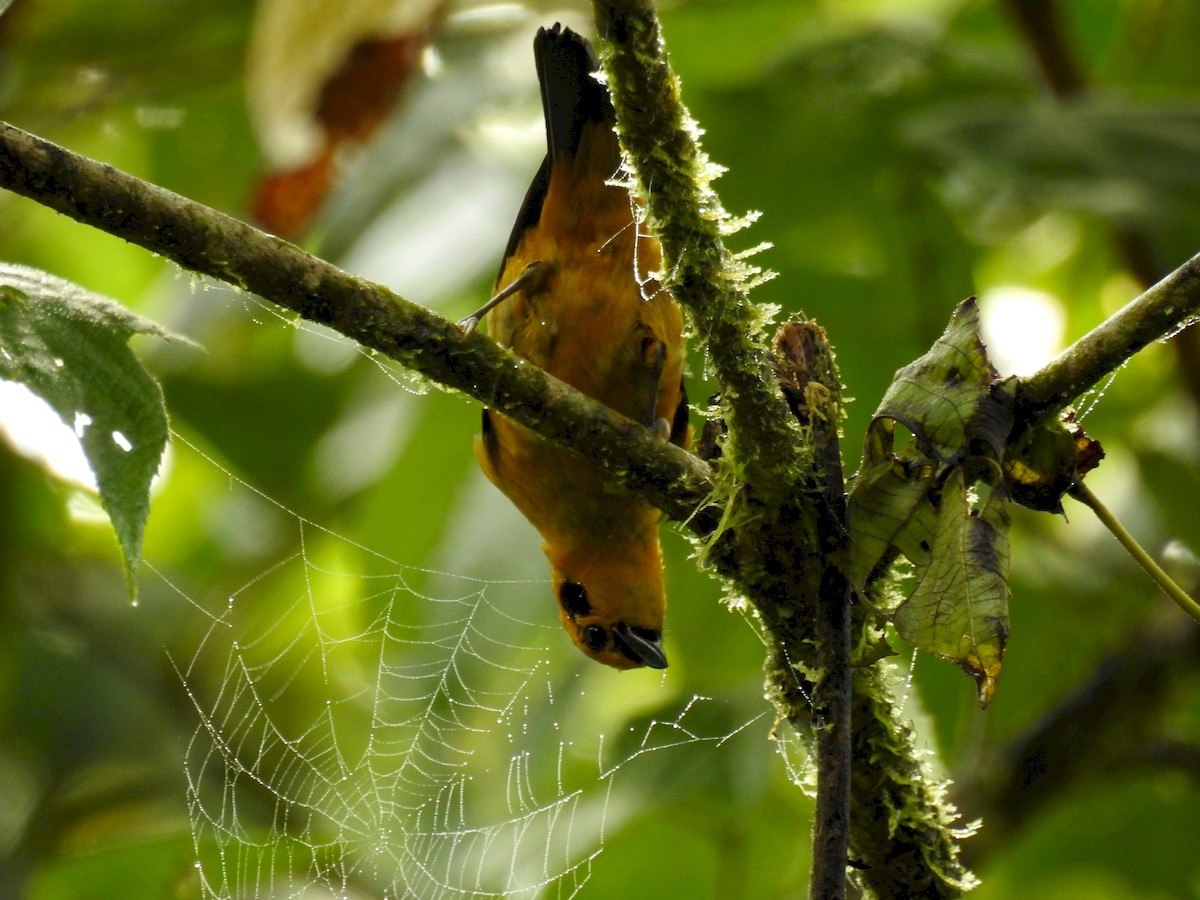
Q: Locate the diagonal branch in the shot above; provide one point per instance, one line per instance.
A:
(204, 240)
(1158, 313)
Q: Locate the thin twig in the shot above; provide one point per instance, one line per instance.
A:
(832, 705)
(806, 373)
(1166, 583)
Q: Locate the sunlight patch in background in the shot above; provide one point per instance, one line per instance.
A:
(1022, 327)
(36, 431)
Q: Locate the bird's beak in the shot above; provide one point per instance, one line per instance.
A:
(642, 645)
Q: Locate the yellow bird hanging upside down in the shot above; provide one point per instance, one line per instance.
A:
(574, 298)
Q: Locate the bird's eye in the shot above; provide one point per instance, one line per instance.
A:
(595, 637)
(574, 599)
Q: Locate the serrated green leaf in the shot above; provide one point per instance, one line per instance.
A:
(959, 608)
(71, 348)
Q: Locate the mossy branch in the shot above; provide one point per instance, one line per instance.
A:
(204, 240)
(1161, 311)
(783, 551)
(673, 177)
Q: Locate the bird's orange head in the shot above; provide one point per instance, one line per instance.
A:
(612, 606)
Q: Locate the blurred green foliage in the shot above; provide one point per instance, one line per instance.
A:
(904, 153)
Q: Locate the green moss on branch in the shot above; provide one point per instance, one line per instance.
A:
(204, 240)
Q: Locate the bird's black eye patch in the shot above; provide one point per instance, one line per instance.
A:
(574, 599)
(595, 637)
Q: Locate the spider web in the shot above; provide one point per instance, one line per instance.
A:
(399, 732)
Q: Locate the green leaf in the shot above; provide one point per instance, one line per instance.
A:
(888, 510)
(952, 398)
(70, 347)
(959, 608)
(955, 405)
(922, 500)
